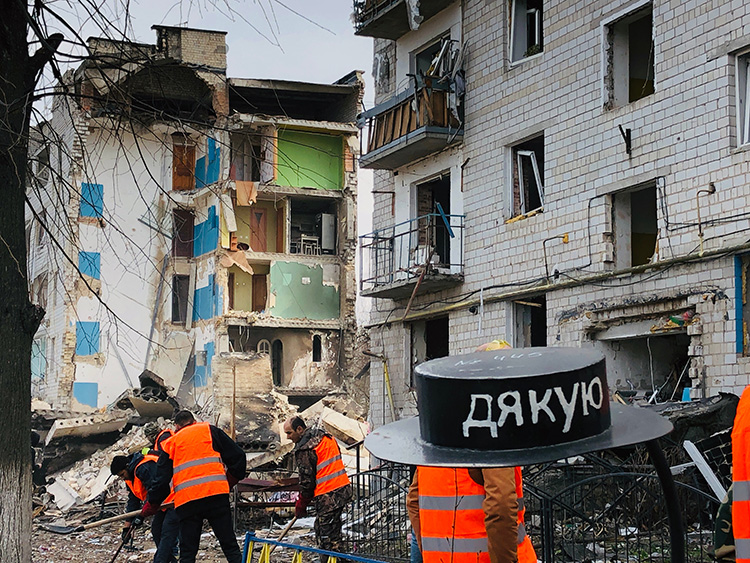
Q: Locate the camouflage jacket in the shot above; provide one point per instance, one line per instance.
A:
(307, 465)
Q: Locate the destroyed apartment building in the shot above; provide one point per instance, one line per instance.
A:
(192, 237)
(554, 174)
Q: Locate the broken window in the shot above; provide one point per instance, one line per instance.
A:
(317, 348)
(528, 176)
(635, 227)
(180, 296)
(38, 358)
(246, 157)
(530, 318)
(183, 221)
(630, 58)
(429, 340)
(434, 59)
(277, 362)
(525, 29)
(433, 235)
(742, 275)
(183, 163)
(743, 98)
(41, 231)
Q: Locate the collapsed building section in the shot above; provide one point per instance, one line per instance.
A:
(212, 221)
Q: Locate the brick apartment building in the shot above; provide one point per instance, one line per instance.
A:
(196, 226)
(560, 173)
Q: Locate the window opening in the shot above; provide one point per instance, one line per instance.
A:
(277, 358)
(317, 348)
(743, 98)
(635, 225)
(531, 322)
(180, 288)
(246, 157)
(183, 221)
(528, 176)
(433, 235)
(183, 163)
(526, 37)
(433, 60)
(630, 58)
(429, 340)
(264, 347)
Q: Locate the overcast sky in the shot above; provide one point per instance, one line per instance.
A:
(267, 39)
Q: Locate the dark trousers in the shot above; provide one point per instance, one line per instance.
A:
(216, 510)
(328, 529)
(165, 527)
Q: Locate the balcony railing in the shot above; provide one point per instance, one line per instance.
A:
(390, 19)
(411, 125)
(428, 248)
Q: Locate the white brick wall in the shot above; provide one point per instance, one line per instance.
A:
(683, 134)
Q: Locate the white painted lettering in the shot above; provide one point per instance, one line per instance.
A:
(507, 409)
(569, 406)
(537, 406)
(472, 422)
(587, 395)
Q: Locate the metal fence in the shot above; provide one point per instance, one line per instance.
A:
(376, 523)
(597, 507)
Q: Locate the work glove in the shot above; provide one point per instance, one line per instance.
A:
(137, 521)
(300, 507)
(149, 509)
(232, 480)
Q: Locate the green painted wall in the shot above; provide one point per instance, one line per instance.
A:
(296, 299)
(309, 160)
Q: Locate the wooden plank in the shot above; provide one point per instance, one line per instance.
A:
(405, 118)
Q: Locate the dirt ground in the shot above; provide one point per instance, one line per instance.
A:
(98, 545)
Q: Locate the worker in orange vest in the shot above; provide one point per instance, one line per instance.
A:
(469, 515)
(322, 480)
(139, 471)
(203, 464)
(741, 478)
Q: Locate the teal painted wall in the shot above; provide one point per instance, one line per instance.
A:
(297, 300)
(309, 160)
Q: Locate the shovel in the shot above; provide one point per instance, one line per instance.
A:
(70, 529)
(283, 533)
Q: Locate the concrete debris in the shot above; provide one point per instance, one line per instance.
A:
(89, 478)
(87, 425)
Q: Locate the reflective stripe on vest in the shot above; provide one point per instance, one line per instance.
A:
(526, 553)
(330, 471)
(741, 479)
(197, 470)
(451, 516)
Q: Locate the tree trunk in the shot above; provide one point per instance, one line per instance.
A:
(18, 318)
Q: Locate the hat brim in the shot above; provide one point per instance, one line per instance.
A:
(401, 442)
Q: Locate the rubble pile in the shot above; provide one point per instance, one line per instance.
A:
(89, 478)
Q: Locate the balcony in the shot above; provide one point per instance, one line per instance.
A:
(426, 252)
(389, 19)
(414, 124)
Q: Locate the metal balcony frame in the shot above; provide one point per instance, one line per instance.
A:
(421, 247)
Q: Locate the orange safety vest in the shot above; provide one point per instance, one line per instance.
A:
(331, 473)
(166, 434)
(197, 469)
(741, 479)
(451, 518)
(526, 553)
(136, 485)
